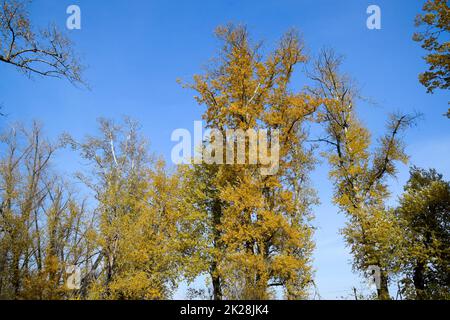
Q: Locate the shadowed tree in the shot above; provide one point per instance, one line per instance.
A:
(424, 214)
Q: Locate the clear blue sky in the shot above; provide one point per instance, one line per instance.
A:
(136, 50)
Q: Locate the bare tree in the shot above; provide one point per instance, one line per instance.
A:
(46, 52)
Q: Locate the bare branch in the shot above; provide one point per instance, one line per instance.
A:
(47, 53)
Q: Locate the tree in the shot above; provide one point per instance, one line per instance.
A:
(139, 214)
(260, 232)
(435, 22)
(46, 53)
(42, 224)
(201, 185)
(359, 175)
(424, 215)
(134, 241)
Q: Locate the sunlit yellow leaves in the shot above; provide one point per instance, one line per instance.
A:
(254, 219)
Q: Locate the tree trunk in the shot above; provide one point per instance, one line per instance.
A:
(383, 291)
(217, 286)
(16, 275)
(419, 281)
(216, 282)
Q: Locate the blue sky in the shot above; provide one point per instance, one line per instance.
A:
(135, 51)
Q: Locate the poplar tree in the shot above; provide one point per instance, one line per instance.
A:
(43, 226)
(139, 212)
(261, 237)
(359, 171)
